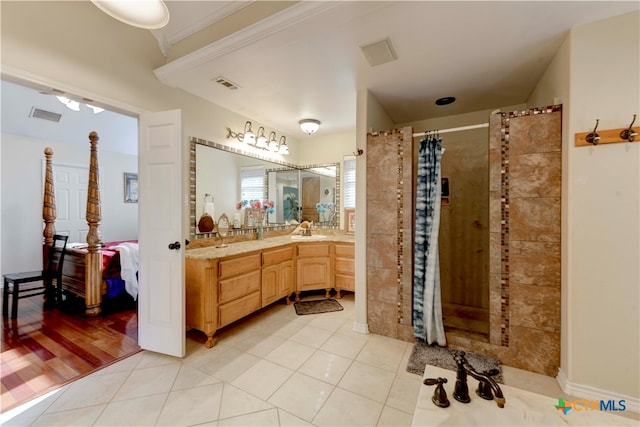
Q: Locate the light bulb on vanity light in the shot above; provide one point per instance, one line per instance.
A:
(273, 144)
(261, 139)
(248, 136)
(282, 146)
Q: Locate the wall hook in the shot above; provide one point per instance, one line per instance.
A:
(358, 152)
(593, 137)
(629, 134)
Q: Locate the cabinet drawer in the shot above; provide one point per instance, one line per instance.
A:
(313, 250)
(236, 287)
(237, 309)
(277, 256)
(236, 266)
(344, 251)
(345, 282)
(345, 265)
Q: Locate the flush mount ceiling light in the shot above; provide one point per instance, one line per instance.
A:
(148, 14)
(446, 100)
(309, 126)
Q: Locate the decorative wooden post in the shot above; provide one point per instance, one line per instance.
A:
(49, 203)
(93, 275)
(49, 217)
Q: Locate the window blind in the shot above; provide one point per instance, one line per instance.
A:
(349, 182)
(252, 182)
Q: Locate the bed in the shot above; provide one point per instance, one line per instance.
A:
(94, 270)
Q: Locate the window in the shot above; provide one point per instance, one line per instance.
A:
(252, 182)
(349, 183)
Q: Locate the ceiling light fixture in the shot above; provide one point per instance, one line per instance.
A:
(309, 126)
(75, 105)
(95, 109)
(148, 14)
(260, 141)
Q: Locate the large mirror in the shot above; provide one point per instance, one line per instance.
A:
(248, 187)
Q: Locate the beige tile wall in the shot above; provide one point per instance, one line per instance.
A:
(524, 238)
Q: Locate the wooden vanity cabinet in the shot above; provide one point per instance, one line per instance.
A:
(277, 275)
(239, 285)
(344, 266)
(219, 292)
(313, 268)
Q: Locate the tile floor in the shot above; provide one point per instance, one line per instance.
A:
(274, 368)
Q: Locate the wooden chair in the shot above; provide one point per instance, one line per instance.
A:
(37, 282)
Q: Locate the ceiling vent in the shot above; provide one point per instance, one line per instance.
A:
(45, 115)
(379, 52)
(226, 83)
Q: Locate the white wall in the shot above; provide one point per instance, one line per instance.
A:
(22, 194)
(604, 204)
(601, 208)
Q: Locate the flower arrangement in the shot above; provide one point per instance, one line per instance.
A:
(267, 206)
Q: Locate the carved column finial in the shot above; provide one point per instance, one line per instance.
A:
(49, 202)
(94, 204)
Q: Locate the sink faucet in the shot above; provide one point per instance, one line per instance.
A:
(488, 388)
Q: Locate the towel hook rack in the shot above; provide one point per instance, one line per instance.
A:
(629, 134)
(593, 137)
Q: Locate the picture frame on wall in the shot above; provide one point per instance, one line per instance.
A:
(130, 187)
(350, 221)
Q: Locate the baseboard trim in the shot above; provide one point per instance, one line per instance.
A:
(362, 328)
(592, 393)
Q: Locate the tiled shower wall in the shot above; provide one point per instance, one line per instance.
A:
(390, 233)
(524, 238)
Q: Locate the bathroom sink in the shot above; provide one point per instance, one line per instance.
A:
(312, 237)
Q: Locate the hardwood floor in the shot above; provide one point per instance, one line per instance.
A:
(44, 349)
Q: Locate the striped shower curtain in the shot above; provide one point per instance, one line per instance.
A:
(427, 304)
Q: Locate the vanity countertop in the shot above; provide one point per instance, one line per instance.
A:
(212, 252)
(522, 408)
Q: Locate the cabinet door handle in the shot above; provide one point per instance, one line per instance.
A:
(174, 246)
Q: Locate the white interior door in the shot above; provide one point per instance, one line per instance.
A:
(70, 183)
(161, 312)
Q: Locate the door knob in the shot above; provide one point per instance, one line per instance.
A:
(175, 245)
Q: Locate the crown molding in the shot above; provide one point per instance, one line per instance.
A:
(166, 39)
(278, 22)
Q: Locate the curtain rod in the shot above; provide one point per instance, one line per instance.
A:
(458, 129)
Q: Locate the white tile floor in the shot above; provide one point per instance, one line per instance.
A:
(274, 368)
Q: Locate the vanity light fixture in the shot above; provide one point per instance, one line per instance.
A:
(282, 146)
(261, 139)
(273, 144)
(309, 126)
(248, 136)
(148, 14)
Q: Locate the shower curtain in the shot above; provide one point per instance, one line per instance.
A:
(427, 304)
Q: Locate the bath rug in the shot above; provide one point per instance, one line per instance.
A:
(317, 306)
(442, 357)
